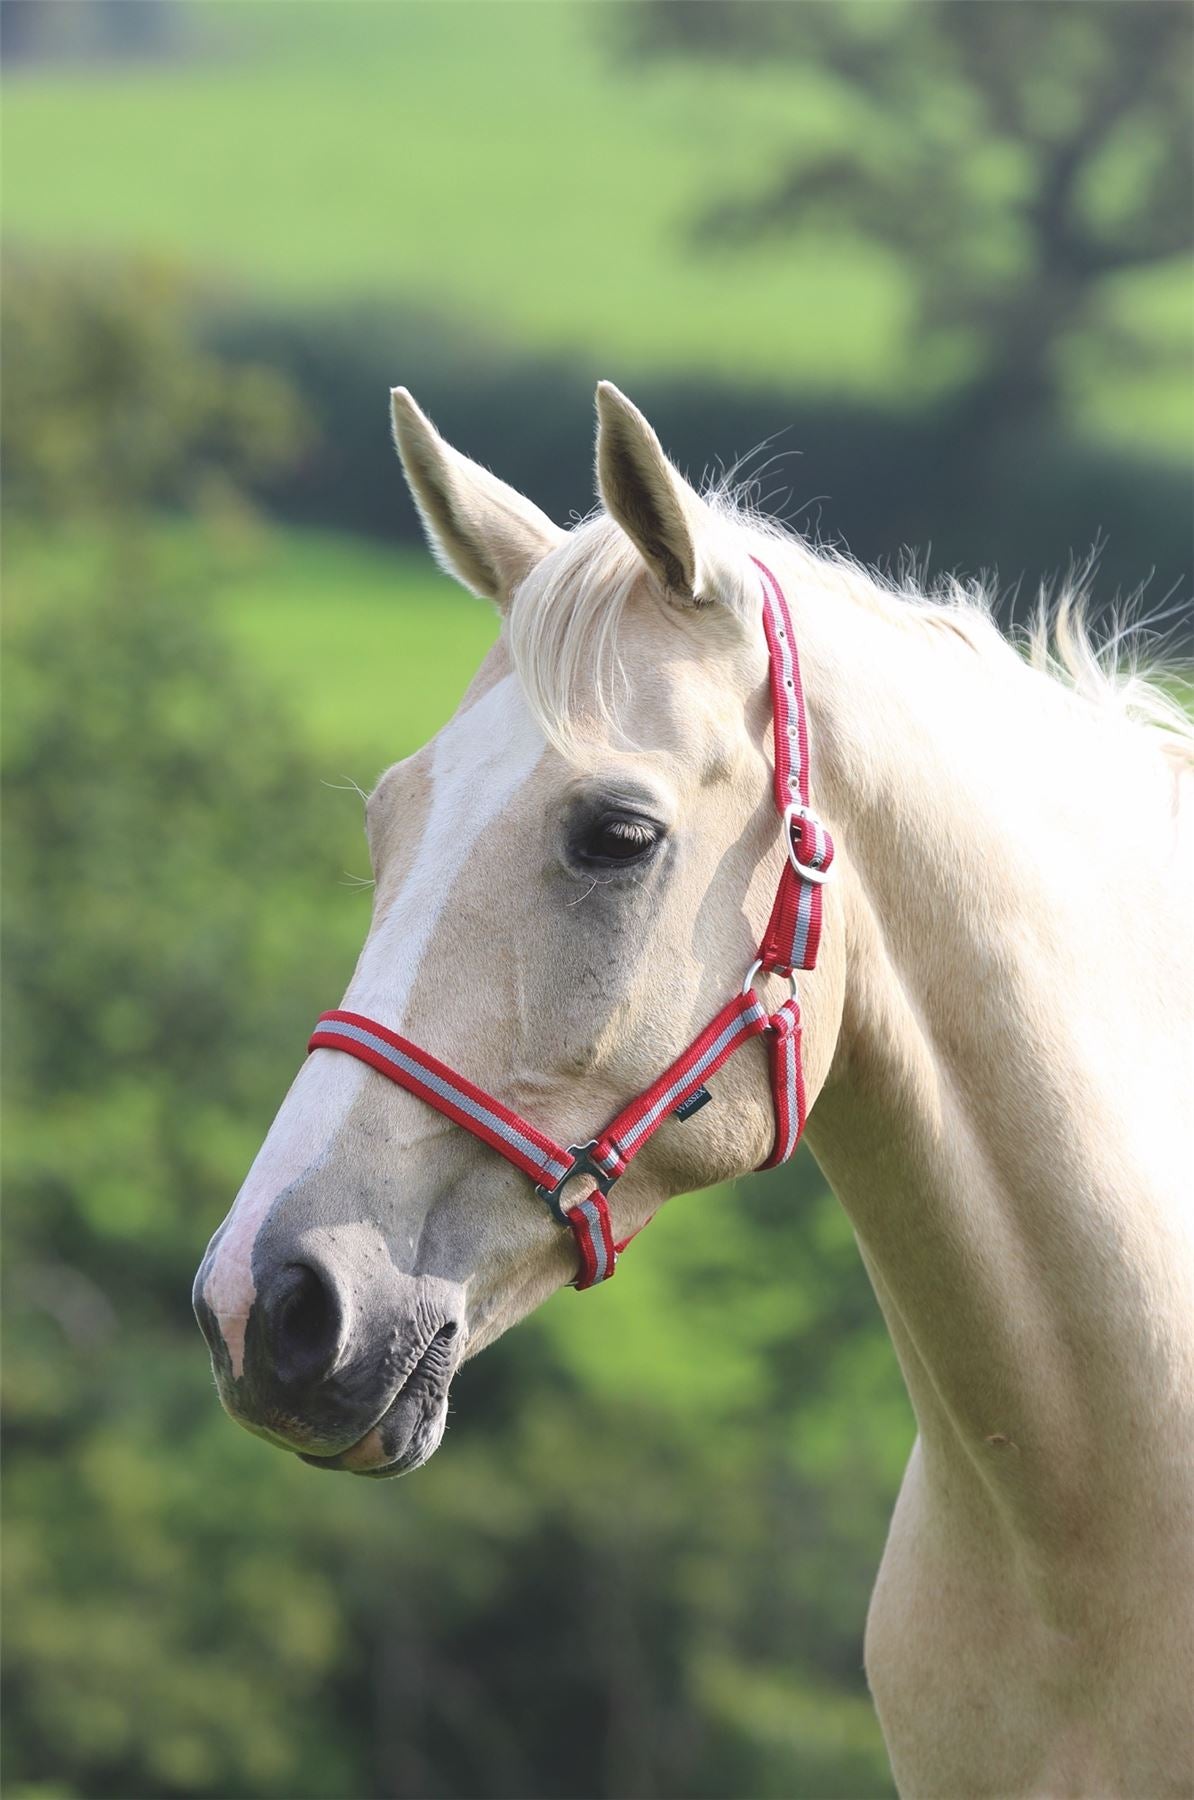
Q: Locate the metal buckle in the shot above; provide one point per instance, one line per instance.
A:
(582, 1164)
(796, 809)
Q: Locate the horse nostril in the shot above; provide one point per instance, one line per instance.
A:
(302, 1317)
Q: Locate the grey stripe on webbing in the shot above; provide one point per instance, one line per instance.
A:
(787, 670)
(790, 1086)
(427, 1078)
(596, 1235)
(804, 917)
(667, 1100)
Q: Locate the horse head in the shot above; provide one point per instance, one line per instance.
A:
(570, 879)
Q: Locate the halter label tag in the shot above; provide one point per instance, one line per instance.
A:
(693, 1104)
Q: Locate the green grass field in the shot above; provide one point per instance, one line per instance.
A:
(369, 648)
(372, 647)
(536, 188)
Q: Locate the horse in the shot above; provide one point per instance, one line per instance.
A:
(996, 1046)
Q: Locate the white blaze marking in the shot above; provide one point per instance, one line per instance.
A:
(299, 1138)
(479, 761)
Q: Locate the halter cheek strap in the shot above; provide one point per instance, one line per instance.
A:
(790, 942)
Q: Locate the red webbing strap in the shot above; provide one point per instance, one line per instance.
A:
(538, 1156)
(793, 933)
(458, 1099)
(596, 1252)
(787, 1081)
(790, 772)
(624, 1136)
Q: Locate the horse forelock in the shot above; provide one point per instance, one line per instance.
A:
(563, 632)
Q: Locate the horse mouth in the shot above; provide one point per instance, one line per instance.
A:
(411, 1427)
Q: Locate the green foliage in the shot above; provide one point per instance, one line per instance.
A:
(109, 401)
(150, 797)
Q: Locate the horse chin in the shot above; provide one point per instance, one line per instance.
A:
(377, 1454)
(411, 1428)
(404, 1439)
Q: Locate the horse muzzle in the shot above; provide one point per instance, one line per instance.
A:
(338, 1357)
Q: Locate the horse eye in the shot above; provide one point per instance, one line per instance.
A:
(615, 838)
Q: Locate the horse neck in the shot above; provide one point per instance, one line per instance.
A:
(999, 1118)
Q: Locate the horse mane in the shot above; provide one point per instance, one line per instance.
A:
(1125, 673)
(564, 627)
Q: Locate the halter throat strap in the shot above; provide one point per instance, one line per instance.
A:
(790, 942)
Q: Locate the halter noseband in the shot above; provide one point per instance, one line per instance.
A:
(790, 942)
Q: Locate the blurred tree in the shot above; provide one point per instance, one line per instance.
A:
(112, 406)
(145, 777)
(88, 31)
(159, 842)
(1015, 156)
(150, 804)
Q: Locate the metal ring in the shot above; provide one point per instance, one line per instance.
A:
(755, 966)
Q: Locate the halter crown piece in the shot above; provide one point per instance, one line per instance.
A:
(790, 942)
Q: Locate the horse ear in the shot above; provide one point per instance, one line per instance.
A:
(684, 543)
(482, 532)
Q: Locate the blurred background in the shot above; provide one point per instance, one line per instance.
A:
(937, 258)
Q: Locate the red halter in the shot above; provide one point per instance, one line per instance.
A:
(790, 942)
